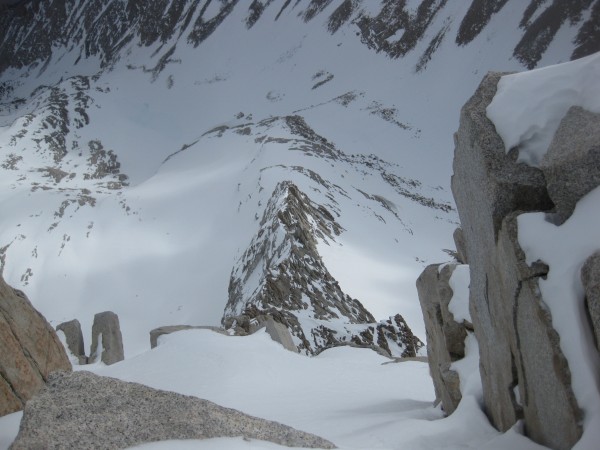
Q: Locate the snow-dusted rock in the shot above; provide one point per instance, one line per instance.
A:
(83, 410)
(74, 339)
(281, 276)
(590, 276)
(572, 163)
(29, 350)
(168, 329)
(524, 372)
(445, 335)
(107, 342)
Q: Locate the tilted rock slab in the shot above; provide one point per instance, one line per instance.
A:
(83, 410)
(29, 350)
(445, 336)
(107, 341)
(524, 373)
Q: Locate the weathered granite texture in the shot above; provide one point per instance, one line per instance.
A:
(107, 341)
(29, 350)
(518, 346)
(571, 165)
(74, 338)
(83, 410)
(445, 336)
(590, 277)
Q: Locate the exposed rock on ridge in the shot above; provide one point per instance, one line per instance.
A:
(83, 410)
(282, 276)
(29, 350)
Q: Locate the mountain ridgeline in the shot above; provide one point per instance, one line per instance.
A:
(34, 32)
(246, 162)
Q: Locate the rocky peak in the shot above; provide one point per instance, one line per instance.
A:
(281, 275)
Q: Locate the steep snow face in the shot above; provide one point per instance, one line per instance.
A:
(139, 149)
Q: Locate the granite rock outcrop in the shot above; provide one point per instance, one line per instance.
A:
(84, 410)
(29, 350)
(524, 373)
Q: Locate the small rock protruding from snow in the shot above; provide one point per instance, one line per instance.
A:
(107, 341)
(74, 339)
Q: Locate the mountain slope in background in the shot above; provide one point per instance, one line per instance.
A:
(140, 142)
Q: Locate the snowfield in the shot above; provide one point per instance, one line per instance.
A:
(353, 397)
(204, 142)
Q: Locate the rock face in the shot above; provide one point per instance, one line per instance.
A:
(74, 338)
(83, 410)
(572, 161)
(282, 277)
(445, 336)
(107, 342)
(29, 350)
(519, 349)
(590, 276)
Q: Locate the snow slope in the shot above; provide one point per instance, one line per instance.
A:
(353, 397)
(158, 246)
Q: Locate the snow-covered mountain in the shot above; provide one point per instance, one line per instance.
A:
(147, 148)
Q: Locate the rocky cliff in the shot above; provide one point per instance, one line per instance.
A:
(525, 372)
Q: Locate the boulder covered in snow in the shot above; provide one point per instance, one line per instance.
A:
(525, 374)
(571, 164)
(107, 341)
(445, 334)
(84, 410)
(29, 350)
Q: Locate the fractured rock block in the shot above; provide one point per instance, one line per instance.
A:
(517, 343)
(107, 342)
(572, 163)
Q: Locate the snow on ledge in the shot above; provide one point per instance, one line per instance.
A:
(528, 106)
(565, 248)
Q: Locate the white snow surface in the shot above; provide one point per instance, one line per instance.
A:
(459, 303)
(528, 106)
(353, 397)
